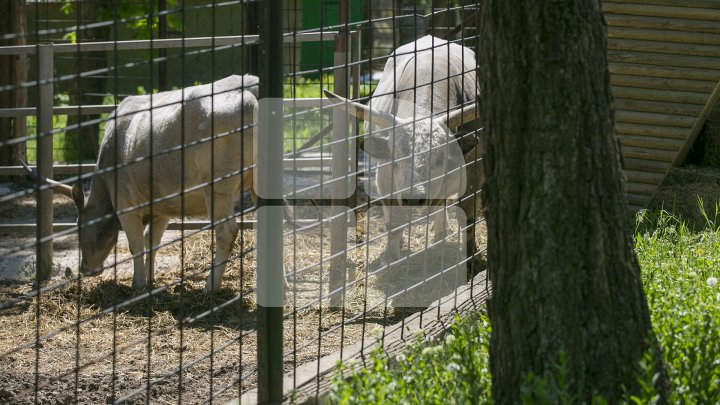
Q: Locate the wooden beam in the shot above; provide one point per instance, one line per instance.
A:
(637, 176)
(649, 154)
(651, 142)
(636, 117)
(683, 3)
(699, 38)
(663, 47)
(658, 59)
(630, 163)
(676, 24)
(652, 10)
(641, 188)
(637, 200)
(663, 83)
(665, 71)
(657, 107)
(685, 97)
(651, 130)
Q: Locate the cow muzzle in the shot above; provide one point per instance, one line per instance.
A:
(415, 196)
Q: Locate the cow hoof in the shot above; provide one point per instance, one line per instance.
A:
(209, 289)
(392, 257)
(439, 236)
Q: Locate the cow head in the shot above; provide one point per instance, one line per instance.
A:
(419, 160)
(97, 223)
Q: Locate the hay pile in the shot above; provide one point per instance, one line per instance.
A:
(689, 189)
(122, 346)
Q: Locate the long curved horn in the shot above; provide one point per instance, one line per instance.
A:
(364, 112)
(61, 188)
(461, 116)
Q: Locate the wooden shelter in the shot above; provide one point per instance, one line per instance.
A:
(665, 73)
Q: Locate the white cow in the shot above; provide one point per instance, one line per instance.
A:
(195, 142)
(428, 90)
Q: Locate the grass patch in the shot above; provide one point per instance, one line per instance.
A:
(455, 368)
(680, 269)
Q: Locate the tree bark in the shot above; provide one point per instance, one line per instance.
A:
(81, 144)
(13, 71)
(565, 278)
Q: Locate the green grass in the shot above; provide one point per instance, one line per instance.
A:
(59, 123)
(680, 269)
(452, 369)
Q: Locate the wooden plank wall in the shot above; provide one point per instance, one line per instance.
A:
(665, 73)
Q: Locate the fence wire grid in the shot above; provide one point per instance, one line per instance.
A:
(211, 201)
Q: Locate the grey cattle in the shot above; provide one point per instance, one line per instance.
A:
(427, 91)
(195, 142)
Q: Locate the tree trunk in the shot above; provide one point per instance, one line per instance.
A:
(565, 279)
(13, 71)
(81, 144)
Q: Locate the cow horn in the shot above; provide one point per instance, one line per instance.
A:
(61, 188)
(364, 112)
(461, 116)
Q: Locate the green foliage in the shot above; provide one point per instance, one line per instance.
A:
(647, 381)
(453, 370)
(134, 14)
(553, 388)
(680, 272)
(59, 124)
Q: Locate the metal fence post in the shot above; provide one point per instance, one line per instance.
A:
(270, 233)
(339, 166)
(45, 160)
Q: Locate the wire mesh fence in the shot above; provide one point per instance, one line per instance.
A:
(261, 189)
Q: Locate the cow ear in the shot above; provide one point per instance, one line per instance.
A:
(377, 147)
(78, 195)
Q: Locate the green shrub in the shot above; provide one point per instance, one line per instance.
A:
(452, 370)
(680, 271)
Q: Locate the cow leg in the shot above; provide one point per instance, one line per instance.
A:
(475, 263)
(132, 225)
(439, 218)
(226, 230)
(158, 227)
(396, 220)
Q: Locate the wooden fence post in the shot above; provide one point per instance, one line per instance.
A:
(44, 155)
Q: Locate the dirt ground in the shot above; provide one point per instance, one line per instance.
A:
(182, 343)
